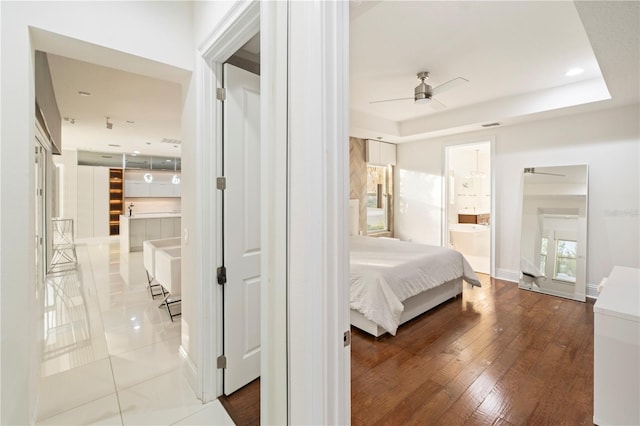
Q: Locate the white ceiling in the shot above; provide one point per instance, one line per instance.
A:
(154, 106)
(514, 54)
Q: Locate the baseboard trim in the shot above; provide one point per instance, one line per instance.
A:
(508, 275)
(592, 291)
(190, 371)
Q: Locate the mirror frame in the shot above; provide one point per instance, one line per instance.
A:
(555, 199)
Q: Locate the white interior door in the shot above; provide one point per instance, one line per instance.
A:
(241, 211)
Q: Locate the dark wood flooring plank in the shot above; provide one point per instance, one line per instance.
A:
(243, 405)
(496, 355)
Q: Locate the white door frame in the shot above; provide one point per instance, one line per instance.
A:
(242, 22)
(445, 192)
(319, 362)
(305, 366)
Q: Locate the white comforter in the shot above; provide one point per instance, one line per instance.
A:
(386, 272)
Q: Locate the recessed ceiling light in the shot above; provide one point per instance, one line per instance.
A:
(148, 143)
(167, 161)
(136, 152)
(491, 124)
(81, 93)
(175, 146)
(573, 72)
(114, 145)
(130, 121)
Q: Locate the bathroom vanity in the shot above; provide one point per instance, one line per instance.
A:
(147, 226)
(478, 219)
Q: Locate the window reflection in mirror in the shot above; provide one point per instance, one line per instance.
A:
(378, 184)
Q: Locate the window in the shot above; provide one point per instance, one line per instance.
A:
(543, 254)
(377, 207)
(565, 264)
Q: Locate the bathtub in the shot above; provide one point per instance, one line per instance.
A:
(470, 239)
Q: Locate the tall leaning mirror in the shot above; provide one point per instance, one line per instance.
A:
(554, 231)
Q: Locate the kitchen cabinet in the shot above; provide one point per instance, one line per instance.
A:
(161, 189)
(136, 187)
(116, 200)
(136, 229)
(93, 202)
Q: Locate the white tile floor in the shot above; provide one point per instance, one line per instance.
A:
(110, 354)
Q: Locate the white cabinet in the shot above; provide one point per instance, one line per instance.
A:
(616, 360)
(84, 221)
(168, 227)
(137, 234)
(134, 230)
(387, 153)
(161, 186)
(100, 201)
(381, 153)
(135, 188)
(161, 189)
(93, 202)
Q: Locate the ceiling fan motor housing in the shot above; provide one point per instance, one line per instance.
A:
(423, 92)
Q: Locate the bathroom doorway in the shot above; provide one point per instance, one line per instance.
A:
(468, 204)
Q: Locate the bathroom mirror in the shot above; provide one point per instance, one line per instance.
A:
(554, 231)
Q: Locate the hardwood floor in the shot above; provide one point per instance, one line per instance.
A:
(496, 355)
(243, 405)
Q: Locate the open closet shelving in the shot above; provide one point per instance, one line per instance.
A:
(116, 200)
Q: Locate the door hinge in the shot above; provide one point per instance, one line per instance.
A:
(221, 183)
(221, 362)
(222, 275)
(347, 338)
(221, 94)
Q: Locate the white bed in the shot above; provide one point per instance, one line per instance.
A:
(394, 281)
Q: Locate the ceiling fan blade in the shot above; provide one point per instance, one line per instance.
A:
(532, 171)
(437, 105)
(548, 174)
(448, 85)
(390, 100)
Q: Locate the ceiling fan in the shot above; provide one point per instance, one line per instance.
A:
(424, 93)
(532, 171)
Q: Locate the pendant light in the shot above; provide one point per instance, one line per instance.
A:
(175, 179)
(148, 177)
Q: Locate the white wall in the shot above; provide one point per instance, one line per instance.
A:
(68, 183)
(476, 198)
(418, 188)
(159, 31)
(608, 141)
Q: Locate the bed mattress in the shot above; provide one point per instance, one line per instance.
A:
(386, 272)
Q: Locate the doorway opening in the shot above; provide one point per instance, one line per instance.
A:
(91, 305)
(468, 203)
